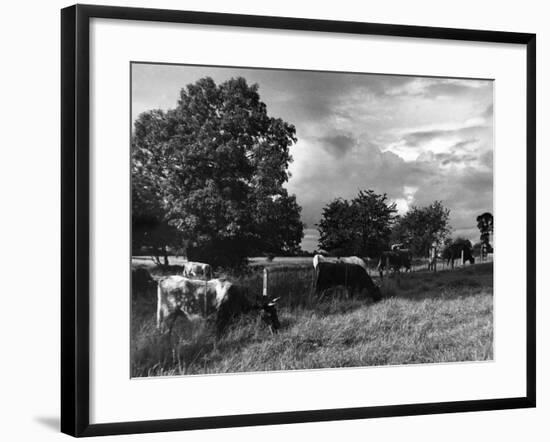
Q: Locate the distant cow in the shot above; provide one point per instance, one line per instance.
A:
(352, 276)
(193, 298)
(197, 269)
(457, 250)
(394, 260)
(142, 283)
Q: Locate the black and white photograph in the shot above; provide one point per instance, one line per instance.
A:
(297, 220)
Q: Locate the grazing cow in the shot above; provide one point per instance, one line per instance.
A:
(197, 269)
(353, 260)
(394, 260)
(142, 283)
(454, 251)
(345, 259)
(194, 298)
(352, 276)
(320, 258)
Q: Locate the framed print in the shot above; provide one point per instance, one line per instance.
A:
(295, 217)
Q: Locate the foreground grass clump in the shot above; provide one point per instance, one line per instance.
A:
(425, 318)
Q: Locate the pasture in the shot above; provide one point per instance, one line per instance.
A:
(423, 318)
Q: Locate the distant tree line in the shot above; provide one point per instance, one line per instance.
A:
(368, 224)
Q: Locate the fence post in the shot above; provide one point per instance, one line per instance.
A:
(205, 298)
(462, 257)
(264, 291)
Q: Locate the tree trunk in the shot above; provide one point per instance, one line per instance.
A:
(165, 255)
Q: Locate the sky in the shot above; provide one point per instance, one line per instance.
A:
(417, 139)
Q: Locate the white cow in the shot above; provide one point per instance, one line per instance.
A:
(345, 259)
(193, 269)
(354, 260)
(316, 260)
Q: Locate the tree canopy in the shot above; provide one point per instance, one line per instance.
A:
(359, 227)
(420, 227)
(485, 224)
(209, 175)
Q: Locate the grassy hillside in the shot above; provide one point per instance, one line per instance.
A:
(425, 317)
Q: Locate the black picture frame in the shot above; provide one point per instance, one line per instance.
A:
(75, 212)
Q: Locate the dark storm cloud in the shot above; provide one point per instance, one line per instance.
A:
(337, 144)
(323, 97)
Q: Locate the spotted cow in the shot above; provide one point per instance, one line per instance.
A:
(194, 298)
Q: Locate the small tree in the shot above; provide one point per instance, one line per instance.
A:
(420, 227)
(485, 223)
(360, 227)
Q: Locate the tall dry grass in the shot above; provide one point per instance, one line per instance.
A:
(423, 318)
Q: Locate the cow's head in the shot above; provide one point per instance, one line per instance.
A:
(376, 294)
(268, 313)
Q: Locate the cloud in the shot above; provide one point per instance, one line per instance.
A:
(404, 204)
(337, 144)
(318, 178)
(456, 180)
(435, 87)
(310, 242)
(463, 144)
(422, 137)
(449, 159)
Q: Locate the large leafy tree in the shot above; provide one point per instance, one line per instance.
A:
(360, 227)
(420, 227)
(211, 172)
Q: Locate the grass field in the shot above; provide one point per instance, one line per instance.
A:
(424, 318)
